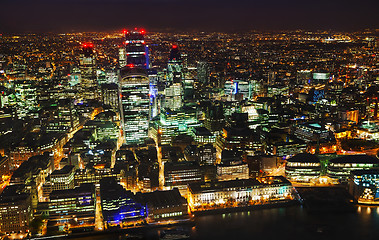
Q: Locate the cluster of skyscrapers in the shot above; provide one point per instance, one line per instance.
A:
(103, 130)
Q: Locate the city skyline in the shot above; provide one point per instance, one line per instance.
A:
(188, 120)
(158, 15)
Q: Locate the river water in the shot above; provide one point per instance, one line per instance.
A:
(279, 223)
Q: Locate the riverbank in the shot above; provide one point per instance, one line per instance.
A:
(277, 204)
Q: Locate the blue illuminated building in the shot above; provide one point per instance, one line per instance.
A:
(119, 205)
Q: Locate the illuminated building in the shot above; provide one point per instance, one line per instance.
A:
(172, 124)
(59, 180)
(320, 77)
(66, 118)
(303, 167)
(110, 96)
(238, 87)
(180, 174)
(225, 194)
(214, 117)
(73, 206)
(232, 170)
(4, 167)
(303, 77)
(37, 168)
(173, 97)
(163, 205)
(238, 136)
(287, 149)
(119, 205)
(203, 72)
(311, 132)
(15, 209)
(122, 56)
(25, 97)
(106, 130)
(87, 67)
(205, 154)
(202, 135)
(134, 90)
(92, 175)
(174, 66)
(364, 186)
(341, 167)
(368, 130)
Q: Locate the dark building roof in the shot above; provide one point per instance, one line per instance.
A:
(83, 189)
(13, 193)
(304, 157)
(355, 159)
(186, 165)
(174, 54)
(365, 172)
(163, 198)
(31, 165)
(65, 170)
(202, 131)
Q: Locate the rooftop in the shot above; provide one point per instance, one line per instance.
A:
(304, 157)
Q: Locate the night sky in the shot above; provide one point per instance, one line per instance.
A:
(17, 16)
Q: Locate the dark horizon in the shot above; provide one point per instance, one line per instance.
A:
(23, 16)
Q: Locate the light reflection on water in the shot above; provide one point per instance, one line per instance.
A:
(284, 223)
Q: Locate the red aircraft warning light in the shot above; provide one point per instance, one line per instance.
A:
(85, 45)
(174, 46)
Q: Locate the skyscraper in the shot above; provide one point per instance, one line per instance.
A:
(174, 88)
(203, 72)
(134, 89)
(174, 66)
(87, 68)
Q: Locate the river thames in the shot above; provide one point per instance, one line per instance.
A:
(277, 223)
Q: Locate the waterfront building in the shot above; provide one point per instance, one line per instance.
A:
(203, 196)
(364, 186)
(15, 209)
(303, 167)
(162, 205)
(72, 206)
(341, 167)
(119, 205)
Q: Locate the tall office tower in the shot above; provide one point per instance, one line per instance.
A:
(134, 90)
(122, 56)
(87, 60)
(88, 72)
(174, 66)
(203, 72)
(174, 88)
(173, 96)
